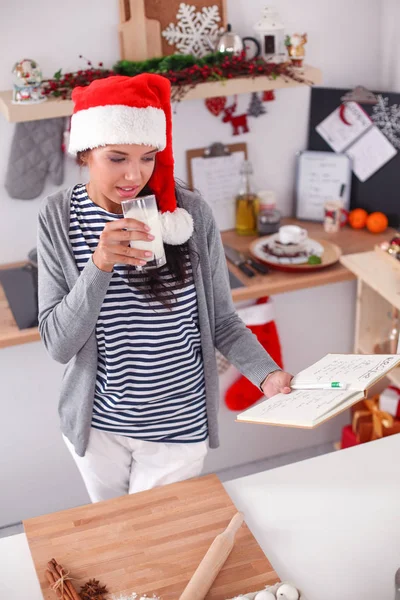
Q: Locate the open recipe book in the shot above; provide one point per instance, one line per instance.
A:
(323, 390)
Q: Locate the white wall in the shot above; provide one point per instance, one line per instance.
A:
(36, 473)
(390, 49)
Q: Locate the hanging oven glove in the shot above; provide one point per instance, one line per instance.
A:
(36, 152)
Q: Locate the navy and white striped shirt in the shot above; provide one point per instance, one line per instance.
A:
(150, 379)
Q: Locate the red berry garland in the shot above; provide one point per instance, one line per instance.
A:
(183, 76)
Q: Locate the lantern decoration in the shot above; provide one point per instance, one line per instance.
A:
(271, 34)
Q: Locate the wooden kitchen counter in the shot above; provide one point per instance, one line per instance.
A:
(276, 282)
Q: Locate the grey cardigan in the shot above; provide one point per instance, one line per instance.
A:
(70, 302)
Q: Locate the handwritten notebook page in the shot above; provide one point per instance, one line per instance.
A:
(370, 153)
(358, 371)
(301, 407)
(218, 179)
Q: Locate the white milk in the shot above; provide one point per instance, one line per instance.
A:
(150, 217)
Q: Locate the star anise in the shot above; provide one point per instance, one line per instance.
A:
(92, 590)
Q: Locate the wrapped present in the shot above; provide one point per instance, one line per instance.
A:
(349, 438)
(389, 401)
(369, 423)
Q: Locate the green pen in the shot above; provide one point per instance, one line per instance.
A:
(331, 385)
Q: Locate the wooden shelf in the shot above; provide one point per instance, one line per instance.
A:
(53, 107)
(372, 269)
(10, 335)
(258, 84)
(17, 113)
(279, 282)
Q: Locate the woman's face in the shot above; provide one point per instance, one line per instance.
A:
(119, 172)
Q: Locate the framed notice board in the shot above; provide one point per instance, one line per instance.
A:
(215, 173)
(381, 192)
(320, 177)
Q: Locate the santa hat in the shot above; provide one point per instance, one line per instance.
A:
(133, 110)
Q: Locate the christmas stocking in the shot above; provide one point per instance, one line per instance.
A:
(259, 319)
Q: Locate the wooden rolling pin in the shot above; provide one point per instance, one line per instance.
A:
(213, 561)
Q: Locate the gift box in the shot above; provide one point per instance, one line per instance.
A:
(349, 438)
(389, 401)
(369, 423)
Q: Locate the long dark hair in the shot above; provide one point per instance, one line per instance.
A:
(180, 266)
(178, 259)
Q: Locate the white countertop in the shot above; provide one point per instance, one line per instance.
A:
(331, 525)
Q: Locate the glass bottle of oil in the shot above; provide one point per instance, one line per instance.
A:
(247, 203)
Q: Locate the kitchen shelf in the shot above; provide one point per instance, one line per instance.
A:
(53, 107)
(378, 293)
(375, 272)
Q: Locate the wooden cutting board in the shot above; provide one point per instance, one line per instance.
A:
(142, 21)
(150, 542)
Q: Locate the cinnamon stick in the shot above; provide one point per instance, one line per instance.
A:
(60, 573)
(51, 579)
(68, 587)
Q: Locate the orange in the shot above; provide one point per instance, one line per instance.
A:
(377, 222)
(358, 218)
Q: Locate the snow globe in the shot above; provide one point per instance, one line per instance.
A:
(27, 79)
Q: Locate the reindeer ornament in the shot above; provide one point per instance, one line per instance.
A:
(217, 106)
(238, 121)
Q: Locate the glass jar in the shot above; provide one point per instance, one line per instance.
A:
(246, 203)
(269, 217)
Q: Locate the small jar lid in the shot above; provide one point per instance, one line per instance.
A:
(267, 199)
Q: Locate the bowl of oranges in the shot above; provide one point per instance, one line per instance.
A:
(375, 222)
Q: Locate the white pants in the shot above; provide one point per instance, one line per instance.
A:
(115, 465)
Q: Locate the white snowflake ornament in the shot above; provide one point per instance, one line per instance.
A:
(194, 30)
(387, 118)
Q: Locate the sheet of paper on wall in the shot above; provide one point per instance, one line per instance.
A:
(340, 135)
(218, 179)
(370, 153)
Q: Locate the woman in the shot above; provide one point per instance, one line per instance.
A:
(139, 397)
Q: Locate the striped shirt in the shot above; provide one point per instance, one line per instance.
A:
(150, 379)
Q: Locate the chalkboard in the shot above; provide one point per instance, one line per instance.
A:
(381, 192)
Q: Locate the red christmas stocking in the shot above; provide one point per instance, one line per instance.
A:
(243, 393)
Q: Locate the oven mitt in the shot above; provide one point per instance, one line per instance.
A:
(36, 152)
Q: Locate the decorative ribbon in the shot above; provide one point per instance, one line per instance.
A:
(59, 584)
(380, 418)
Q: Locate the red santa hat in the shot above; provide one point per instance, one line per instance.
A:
(133, 110)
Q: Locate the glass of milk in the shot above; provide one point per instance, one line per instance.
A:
(145, 209)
